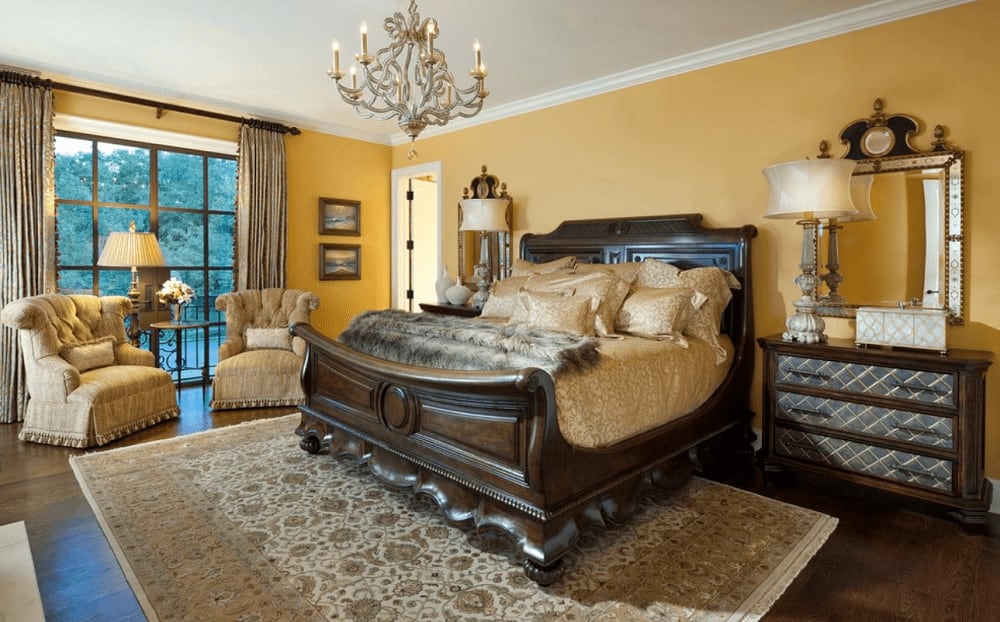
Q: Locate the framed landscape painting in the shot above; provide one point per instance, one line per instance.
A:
(339, 217)
(339, 262)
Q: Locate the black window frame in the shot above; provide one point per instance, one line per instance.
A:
(150, 310)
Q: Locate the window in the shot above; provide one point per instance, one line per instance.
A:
(186, 197)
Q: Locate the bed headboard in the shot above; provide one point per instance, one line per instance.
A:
(677, 239)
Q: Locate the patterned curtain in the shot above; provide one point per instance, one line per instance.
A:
(261, 209)
(27, 216)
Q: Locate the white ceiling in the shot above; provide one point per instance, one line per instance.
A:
(268, 58)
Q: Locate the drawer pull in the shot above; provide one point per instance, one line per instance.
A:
(919, 431)
(910, 387)
(915, 472)
(805, 374)
(807, 413)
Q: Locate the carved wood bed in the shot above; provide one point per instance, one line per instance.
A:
(487, 445)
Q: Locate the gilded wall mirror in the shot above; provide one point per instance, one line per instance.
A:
(911, 250)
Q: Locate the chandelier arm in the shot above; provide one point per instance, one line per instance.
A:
(365, 109)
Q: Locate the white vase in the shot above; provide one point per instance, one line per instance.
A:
(458, 294)
(441, 286)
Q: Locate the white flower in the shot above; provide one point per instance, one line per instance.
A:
(175, 291)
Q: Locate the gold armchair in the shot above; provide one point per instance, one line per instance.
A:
(86, 385)
(260, 361)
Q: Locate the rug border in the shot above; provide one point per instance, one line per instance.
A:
(760, 601)
(120, 557)
(133, 580)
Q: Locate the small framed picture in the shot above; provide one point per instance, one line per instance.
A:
(339, 262)
(339, 217)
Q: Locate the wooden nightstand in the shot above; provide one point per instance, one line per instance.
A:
(450, 309)
(907, 422)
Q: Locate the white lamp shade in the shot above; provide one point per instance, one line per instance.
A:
(484, 215)
(127, 249)
(819, 188)
(861, 196)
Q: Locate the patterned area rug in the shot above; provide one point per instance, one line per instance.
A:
(240, 524)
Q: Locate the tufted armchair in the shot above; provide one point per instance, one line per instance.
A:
(86, 385)
(260, 362)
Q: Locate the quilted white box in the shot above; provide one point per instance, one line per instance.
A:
(907, 327)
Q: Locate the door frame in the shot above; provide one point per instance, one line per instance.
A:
(398, 214)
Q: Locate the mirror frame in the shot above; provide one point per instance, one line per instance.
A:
(487, 186)
(901, 156)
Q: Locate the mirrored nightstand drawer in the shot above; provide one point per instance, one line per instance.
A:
(891, 464)
(875, 421)
(921, 386)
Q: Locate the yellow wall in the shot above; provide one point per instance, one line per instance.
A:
(320, 165)
(697, 143)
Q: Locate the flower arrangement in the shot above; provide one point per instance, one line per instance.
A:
(175, 291)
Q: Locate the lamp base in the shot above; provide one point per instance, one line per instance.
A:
(482, 295)
(134, 331)
(805, 326)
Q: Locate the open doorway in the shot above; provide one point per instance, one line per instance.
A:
(419, 268)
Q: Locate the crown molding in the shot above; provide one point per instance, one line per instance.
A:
(806, 32)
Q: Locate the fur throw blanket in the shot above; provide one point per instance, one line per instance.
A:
(467, 344)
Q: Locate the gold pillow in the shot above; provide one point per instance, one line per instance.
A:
(268, 339)
(656, 273)
(607, 290)
(523, 267)
(627, 271)
(651, 312)
(716, 284)
(90, 354)
(503, 297)
(568, 314)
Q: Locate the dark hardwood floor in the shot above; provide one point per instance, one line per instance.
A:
(887, 559)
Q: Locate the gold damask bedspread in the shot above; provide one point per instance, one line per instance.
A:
(637, 385)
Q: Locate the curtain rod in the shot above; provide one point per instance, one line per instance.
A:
(161, 106)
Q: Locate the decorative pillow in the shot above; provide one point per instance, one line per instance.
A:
(656, 273)
(607, 290)
(523, 267)
(268, 339)
(627, 271)
(90, 354)
(653, 312)
(714, 283)
(568, 314)
(519, 315)
(503, 297)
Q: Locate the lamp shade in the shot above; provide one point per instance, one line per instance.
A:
(819, 188)
(128, 249)
(861, 197)
(484, 215)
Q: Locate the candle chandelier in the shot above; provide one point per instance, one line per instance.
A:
(409, 78)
